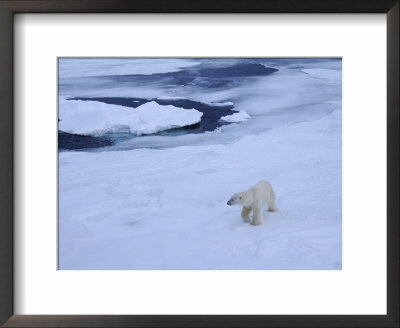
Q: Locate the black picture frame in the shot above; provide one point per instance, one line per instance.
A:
(10, 7)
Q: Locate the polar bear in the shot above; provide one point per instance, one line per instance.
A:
(253, 200)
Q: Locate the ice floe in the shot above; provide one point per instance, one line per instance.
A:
(96, 118)
(236, 118)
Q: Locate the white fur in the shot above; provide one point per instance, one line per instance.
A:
(253, 200)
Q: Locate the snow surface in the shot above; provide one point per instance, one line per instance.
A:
(85, 67)
(94, 118)
(236, 118)
(331, 74)
(166, 209)
(164, 206)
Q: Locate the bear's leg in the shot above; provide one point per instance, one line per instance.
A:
(245, 213)
(257, 216)
(272, 206)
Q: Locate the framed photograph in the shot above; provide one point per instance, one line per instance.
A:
(161, 138)
(191, 164)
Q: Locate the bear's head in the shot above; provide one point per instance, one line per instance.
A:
(237, 199)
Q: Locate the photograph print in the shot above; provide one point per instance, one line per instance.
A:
(199, 163)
